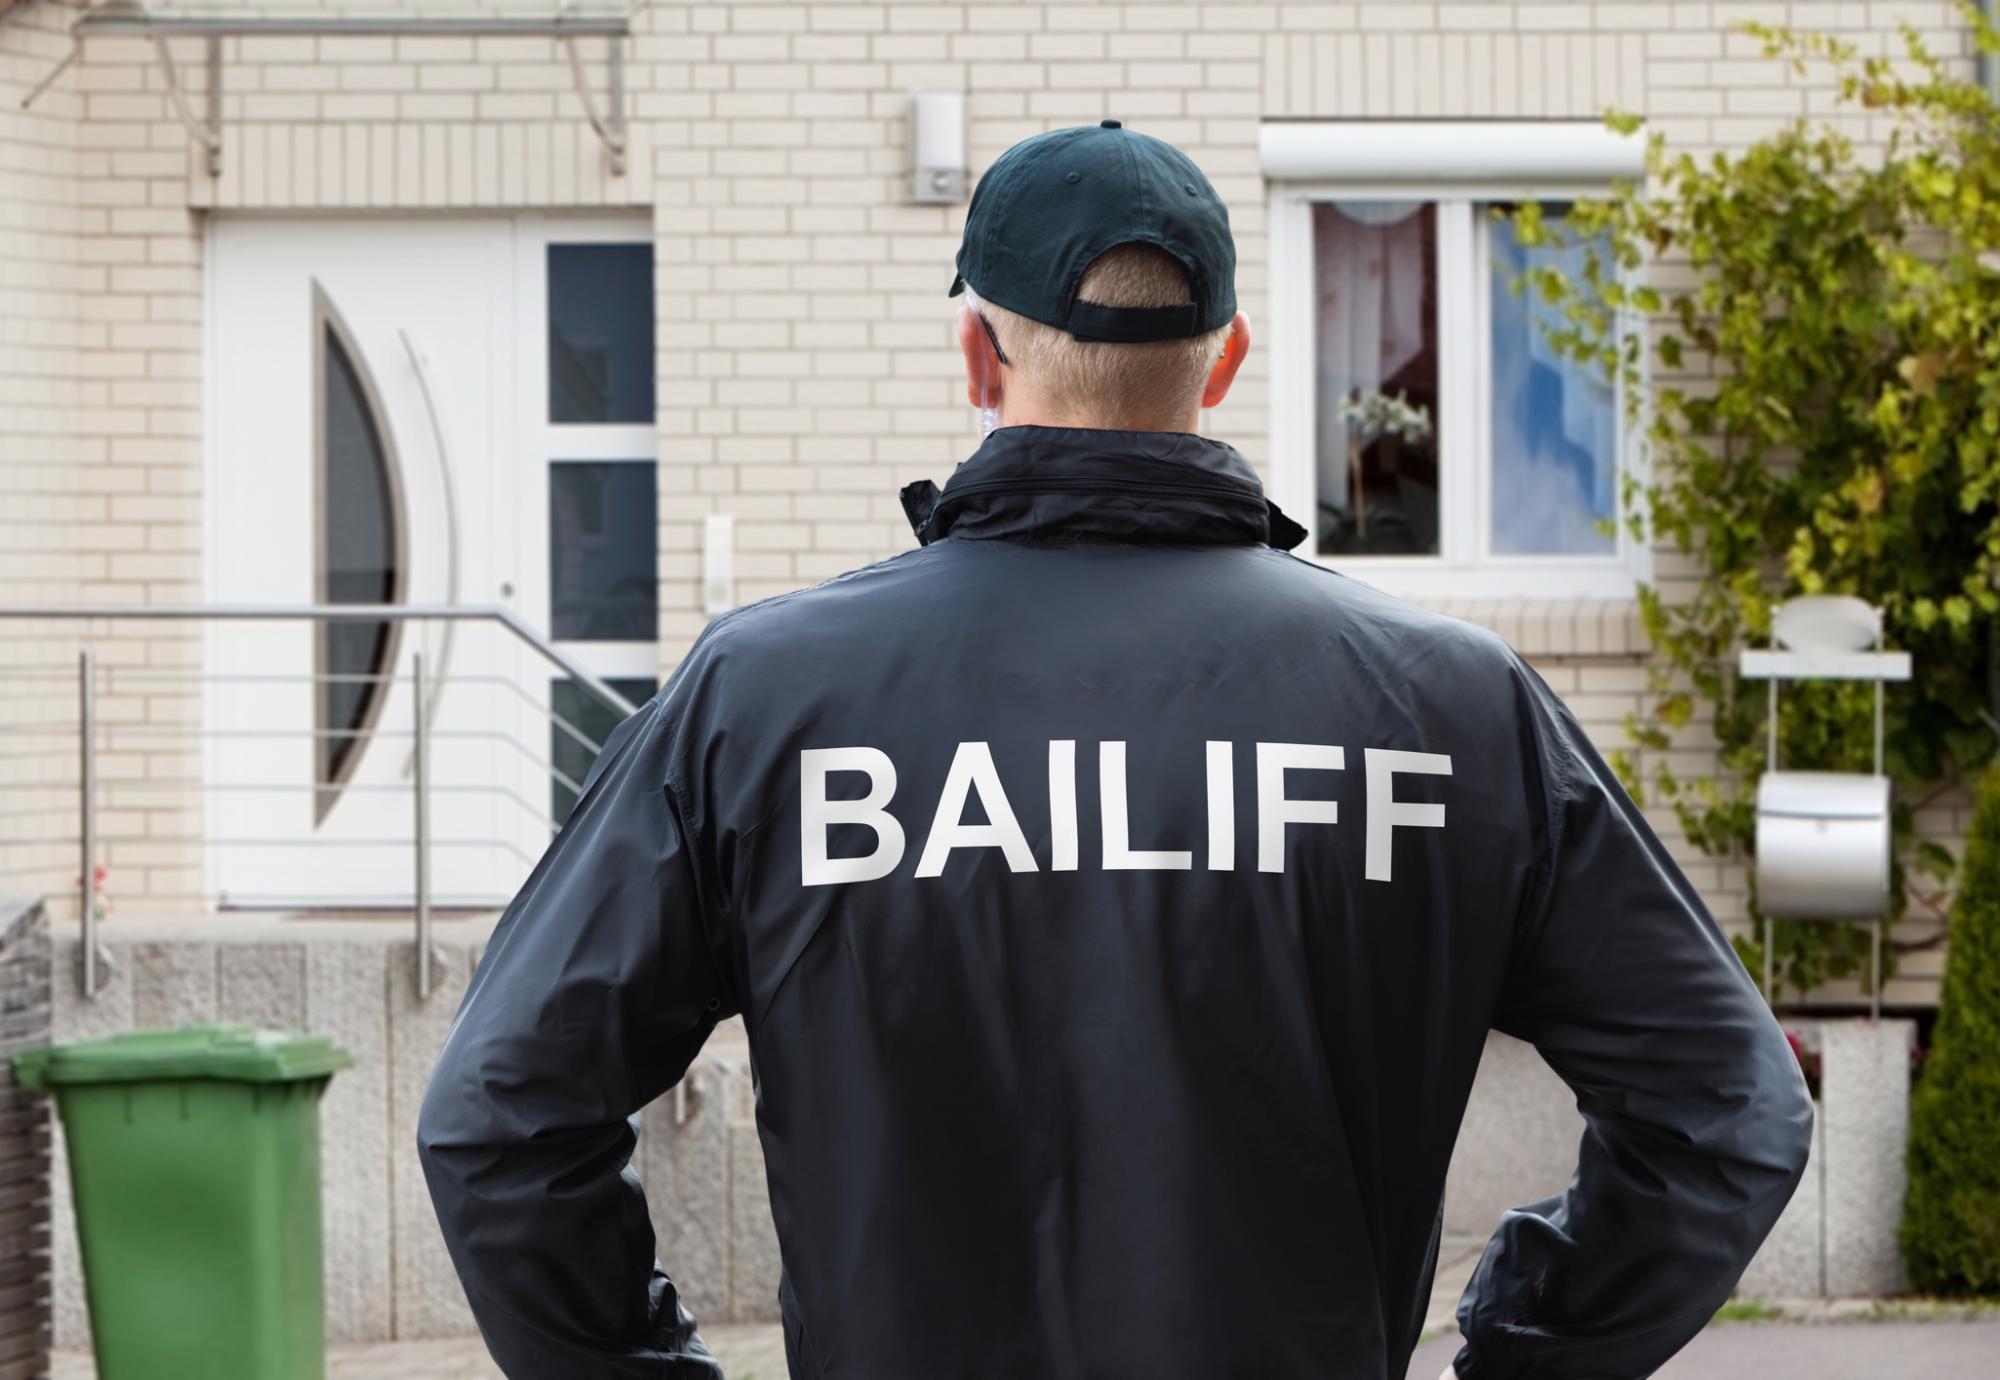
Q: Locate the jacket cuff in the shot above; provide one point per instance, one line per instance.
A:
(1467, 1366)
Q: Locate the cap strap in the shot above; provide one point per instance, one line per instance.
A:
(1131, 325)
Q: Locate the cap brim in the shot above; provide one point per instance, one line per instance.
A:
(957, 285)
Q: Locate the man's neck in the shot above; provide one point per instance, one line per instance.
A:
(1031, 414)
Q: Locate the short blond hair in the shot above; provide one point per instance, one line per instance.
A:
(1137, 386)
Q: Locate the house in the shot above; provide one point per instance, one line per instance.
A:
(574, 326)
(613, 320)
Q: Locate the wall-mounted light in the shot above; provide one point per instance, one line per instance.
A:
(937, 146)
(718, 563)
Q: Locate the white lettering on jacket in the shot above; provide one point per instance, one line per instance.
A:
(972, 769)
(973, 772)
(817, 814)
(1275, 811)
(1385, 812)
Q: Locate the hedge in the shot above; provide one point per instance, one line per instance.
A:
(1951, 1216)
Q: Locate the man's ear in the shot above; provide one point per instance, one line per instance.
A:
(982, 365)
(1234, 350)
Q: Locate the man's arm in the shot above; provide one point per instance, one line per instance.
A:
(1697, 1118)
(594, 996)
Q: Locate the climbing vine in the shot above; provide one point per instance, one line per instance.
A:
(1807, 332)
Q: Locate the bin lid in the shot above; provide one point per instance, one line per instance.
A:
(1823, 795)
(238, 1053)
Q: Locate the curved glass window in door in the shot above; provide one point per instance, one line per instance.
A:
(361, 558)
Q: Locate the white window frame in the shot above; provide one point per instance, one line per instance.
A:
(1459, 165)
(544, 444)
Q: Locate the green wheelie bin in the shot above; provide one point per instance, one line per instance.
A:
(194, 1164)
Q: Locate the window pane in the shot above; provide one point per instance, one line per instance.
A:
(1555, 422)
(580, 715)
(603, 551)
(1376, 377)
(601, 333)
(359, 555)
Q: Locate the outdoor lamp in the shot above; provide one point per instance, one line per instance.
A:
(937, 147)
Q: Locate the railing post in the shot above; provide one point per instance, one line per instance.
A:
(1770, 961)
(420, 777)
(86, 738)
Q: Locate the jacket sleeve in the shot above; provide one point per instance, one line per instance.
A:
(595, 994)
(1697, 1121)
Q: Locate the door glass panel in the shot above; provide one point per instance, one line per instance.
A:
(601, 333)
(360, 554)
(581, 716)
(603, 551)
(1555, 421)
(1376, 377)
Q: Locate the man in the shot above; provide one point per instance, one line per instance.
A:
(1117, 907)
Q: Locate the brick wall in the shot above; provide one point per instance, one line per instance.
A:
(51, 513)
(805, 363)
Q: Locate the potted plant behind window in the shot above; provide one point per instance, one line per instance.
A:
(1375, 417)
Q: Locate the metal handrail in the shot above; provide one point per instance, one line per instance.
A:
(339, 613)
(421, 731)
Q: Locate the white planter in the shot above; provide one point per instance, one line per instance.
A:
(1837, 1239)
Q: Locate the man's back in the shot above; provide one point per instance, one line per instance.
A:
(1117, 907)
(1137, 1079)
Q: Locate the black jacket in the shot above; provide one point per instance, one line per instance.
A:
(1117, 907)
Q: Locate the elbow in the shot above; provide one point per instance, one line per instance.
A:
(1790, 1111)
(448, 1149)
(443, 1119)
(430, 1121)
(1781, 1142)
(1799, 1133)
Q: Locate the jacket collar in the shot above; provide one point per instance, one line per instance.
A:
(1038, 483)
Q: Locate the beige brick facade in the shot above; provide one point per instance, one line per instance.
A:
(804, 363)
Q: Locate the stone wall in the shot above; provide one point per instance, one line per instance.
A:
(1835, 1239)
(24, 1144)
(387, 1273)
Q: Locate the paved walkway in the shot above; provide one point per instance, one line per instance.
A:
(747, 1351)
(1940, 1349)
(1835, 1349)
(1935, 1349)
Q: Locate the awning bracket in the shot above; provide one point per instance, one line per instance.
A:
(205, 129)
(609, 123)
(567, 25)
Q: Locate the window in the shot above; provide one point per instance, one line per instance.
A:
(579, 723)
(1553, 423)
(593, 436)
(1375, 386)
(1424, 429)
(359, 553)
(603, 551)
(601, 333)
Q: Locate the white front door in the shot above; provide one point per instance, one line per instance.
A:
(418, 411)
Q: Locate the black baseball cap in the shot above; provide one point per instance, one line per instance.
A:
(1049, 206)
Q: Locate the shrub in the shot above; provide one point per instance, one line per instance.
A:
(1951, 1216)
